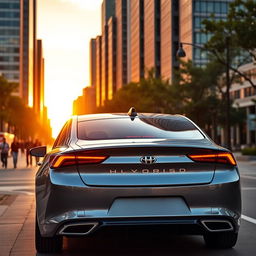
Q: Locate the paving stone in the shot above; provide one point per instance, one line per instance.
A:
(24, 244)
(15, 232)
(2, 209)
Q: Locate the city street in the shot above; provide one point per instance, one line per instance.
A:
(17, 225)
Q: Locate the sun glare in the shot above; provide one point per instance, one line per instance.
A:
(86, 4)
(66, 27)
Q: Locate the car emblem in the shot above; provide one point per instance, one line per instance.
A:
(148, 160)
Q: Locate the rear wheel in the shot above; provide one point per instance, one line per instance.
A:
(47, 244)
(220, 239)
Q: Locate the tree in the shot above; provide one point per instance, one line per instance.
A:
(20, 119)
(6, 90)
(148, 95)
(195, 93)
(236, 34)
(228, 46)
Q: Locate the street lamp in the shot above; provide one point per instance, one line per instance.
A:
(181, 54)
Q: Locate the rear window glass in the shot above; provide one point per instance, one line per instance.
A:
(174, 127)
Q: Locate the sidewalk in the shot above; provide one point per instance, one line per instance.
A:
(17, 226)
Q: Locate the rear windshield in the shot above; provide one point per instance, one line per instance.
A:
(174, 127)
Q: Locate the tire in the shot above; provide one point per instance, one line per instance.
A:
(47, 244)
(222, 240)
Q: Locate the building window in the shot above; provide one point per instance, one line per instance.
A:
(210, 7)
(248, 92)
(224, 7)
(237, 94)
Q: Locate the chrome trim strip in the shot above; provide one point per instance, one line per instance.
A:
(204, 222)
(136, 159)
(62, 232)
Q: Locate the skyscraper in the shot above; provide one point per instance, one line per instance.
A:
(107, 11)
(104, 65)
(152, 35)
(17, 44)
(98, 71)
(136, 41)
(121, 54)
(38, 91)
(10, 39)
(145, 34)
(93, 62)
(111, 57)
(169, 37)
(192, 13)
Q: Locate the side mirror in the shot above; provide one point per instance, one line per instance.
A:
(38, 151)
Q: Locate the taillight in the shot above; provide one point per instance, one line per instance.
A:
(67, 160)
(225, 158)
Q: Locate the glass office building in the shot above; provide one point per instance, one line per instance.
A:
(192, 13)
(17, 44)
(10, 39)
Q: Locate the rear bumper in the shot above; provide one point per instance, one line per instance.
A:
(59, 202)
(181, 224)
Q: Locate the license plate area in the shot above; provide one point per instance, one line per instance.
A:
(149, 207)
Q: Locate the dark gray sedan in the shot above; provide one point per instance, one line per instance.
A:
(142, 171)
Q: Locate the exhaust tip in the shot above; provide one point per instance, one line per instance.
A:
(78, 229)
(217, 225)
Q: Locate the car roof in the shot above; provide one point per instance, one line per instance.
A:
(81, 118)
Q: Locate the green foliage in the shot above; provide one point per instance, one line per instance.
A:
(242, 18)
(194, 93)
(148, 95)
(249, 151)
(6, 89)
(20, 118)
(237, 34)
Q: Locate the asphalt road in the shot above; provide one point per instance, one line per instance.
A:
(21, 181)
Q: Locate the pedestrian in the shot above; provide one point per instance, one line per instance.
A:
(14, 151)
(4, 147)
(28, 145)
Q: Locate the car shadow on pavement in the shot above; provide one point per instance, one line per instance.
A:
(139, 246)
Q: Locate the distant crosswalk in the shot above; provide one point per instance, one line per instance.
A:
(19, 181)
(17, 186)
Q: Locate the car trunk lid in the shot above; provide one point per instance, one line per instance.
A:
(146, 165)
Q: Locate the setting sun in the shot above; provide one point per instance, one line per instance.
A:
(66, 26)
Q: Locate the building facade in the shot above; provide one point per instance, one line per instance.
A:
(98, 88)
(107, 11)
(10, 40)
(93, 62)
(111, 57)
(85, 104)
(17, 44)
(38, 91)
(243, 96)
(169, 37)
(121, 43)
(104, 65)
(136, 41)
(191, 15)
(152, 35)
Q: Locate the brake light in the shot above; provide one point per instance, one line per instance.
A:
(225, 158)
(67, 160)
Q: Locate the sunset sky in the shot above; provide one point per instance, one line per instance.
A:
(66, 27)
